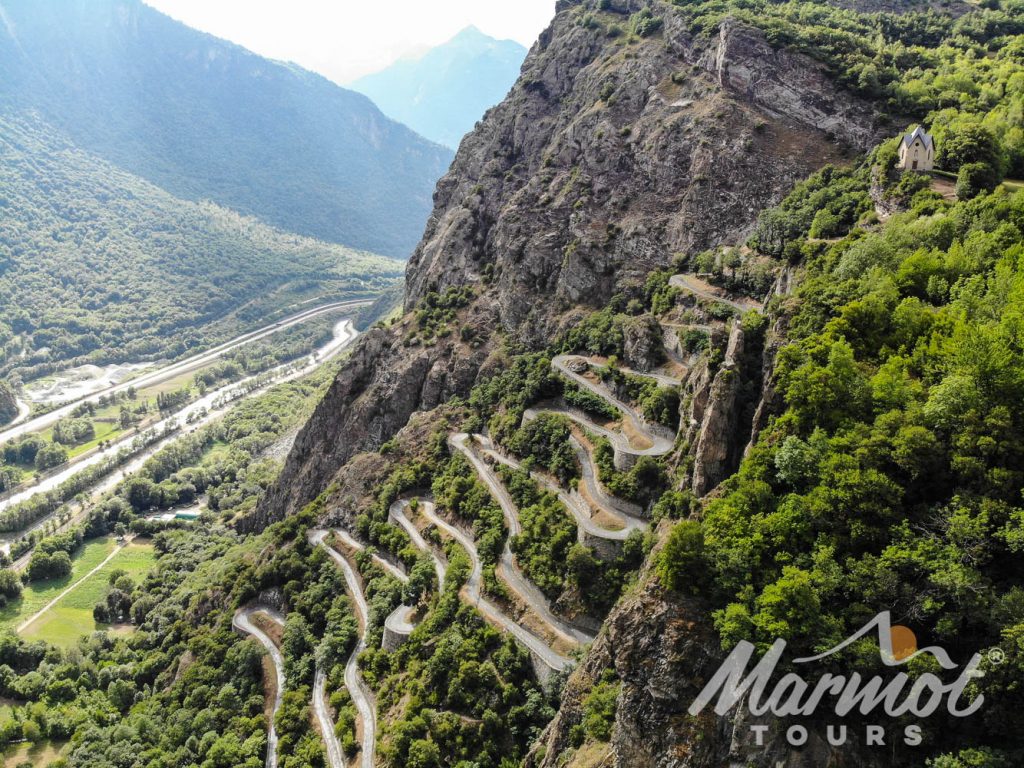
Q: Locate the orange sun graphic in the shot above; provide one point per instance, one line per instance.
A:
(904, 642)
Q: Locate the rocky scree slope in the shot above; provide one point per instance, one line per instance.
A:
(607, 157)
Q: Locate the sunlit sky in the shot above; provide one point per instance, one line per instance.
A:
(346, 39)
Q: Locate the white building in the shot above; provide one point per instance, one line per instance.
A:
(917, 151)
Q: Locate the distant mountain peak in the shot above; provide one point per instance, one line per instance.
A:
(442, 93)
(204, 118)
(473, 35)
(470, 33)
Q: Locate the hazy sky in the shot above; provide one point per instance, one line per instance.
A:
(345, 39)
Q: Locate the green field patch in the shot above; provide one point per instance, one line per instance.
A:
(105, 430)
(171, 385)
(40, 754)
(36, 595)
(71, 617)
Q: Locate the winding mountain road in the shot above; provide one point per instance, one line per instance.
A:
(243, 622)
(689, 283)
(575, 504)
(660, 438)
(361, 695)
(399, 620)
(610, 503)
(352, 542)
(322, 710)
(397, 513)
(490, 611)
(507, 566)
(472, 590)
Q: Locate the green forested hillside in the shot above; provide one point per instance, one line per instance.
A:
(8, 403)
(208, 120)
(889, 477)
(949, 66)
(892, 476)
(96, 262)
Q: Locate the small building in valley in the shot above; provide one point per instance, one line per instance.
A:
(917, 151)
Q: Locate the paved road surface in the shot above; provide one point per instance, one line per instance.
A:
(507, 566)
(397, 513)
(489, 610)
(384, 563)
(661, 443)
(24, 409)
(687, 283)
(205, 410)
(574, 504)
(177, 369)
(243, 621)
(322, 709)
(357, 689)
(400, 620)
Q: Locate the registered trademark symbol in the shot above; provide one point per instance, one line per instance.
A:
(996, 656)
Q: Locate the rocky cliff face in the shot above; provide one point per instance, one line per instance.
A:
(719, 432)
(605, 160)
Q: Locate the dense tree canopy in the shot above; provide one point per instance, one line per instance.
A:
(98, 264)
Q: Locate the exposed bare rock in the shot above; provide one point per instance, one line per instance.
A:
(606, 159)
(642, 344)
(596, 168)
(699, 390)
(378, 389)
(781, 83)
(354, 488)
(885, 205)
(770, 401)
(715, 455)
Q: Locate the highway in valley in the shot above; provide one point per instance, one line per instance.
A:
(193, 416)
(28, 425)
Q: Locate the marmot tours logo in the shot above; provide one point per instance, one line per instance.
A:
(794, 695)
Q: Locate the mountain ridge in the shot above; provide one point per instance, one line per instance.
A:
(99, 265)
(441, 93)
(533, 220)
(204, 118)
(644, 139)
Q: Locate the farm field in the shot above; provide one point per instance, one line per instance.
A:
(43, 753)
(71, 617)
(35, 596)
